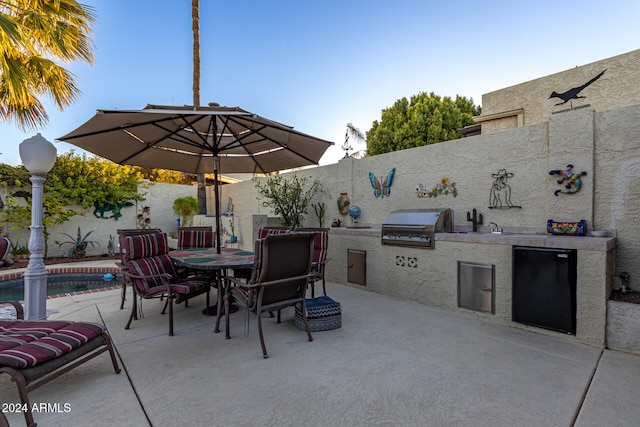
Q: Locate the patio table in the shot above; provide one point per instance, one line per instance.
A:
(209, 260)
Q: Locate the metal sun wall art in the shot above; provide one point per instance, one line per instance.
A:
(500, 194)
(572, 181)
(384, 188)
(445, 187)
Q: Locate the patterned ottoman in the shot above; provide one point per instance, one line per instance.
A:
(323, 314)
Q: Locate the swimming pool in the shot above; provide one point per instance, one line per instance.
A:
(60, 284)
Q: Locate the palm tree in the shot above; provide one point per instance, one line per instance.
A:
(352, 132)
(33, 35)
(195, 26)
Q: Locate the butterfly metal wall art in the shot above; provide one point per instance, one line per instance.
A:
(384, 189)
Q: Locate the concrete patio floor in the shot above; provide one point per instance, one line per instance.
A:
(393, 363)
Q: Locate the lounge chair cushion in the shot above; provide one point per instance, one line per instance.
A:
(25, 344)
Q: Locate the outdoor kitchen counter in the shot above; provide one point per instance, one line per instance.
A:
(588, 243)
(430, 276)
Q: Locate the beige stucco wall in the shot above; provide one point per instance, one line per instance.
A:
(619, 86)
(604, 144)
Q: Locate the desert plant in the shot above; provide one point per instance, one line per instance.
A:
(79, 244)
(111, 246)
(185, 207)
(19, 251)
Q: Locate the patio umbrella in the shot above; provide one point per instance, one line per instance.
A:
(197, 140)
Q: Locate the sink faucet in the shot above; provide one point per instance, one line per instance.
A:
(476, 219)
(496, 229)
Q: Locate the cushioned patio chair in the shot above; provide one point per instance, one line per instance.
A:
(320, 247)
(5, 252)
(153, 274)
(35, 352)
(280, 276)
(122, 233)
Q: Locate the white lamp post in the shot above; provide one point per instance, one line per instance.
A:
(38, 156)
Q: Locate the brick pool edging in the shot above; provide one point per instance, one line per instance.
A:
(11, 275)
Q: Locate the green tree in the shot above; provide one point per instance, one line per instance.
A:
(33, 35)
(289, 197)
(425, 119)
(73, 180)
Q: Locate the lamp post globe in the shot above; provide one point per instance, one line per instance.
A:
(38, 157)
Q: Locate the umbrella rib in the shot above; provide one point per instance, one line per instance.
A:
(257, 131)
(238, 140)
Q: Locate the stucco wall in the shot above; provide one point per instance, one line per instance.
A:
(159, 197)
(619, 86)
(604, 144)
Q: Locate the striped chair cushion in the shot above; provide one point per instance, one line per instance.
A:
(190, 286)
(196, 239)
(148, 255)
(153, 265)
(146, 245)
(28, 343)
(320, 245)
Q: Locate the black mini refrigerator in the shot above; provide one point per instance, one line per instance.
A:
(544, 288)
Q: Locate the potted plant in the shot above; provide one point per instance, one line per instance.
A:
(185, 207)
(233, 238)
(289, 197)
(18, 251)
(79, 244)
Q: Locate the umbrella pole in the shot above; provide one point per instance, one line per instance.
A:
(216, 197)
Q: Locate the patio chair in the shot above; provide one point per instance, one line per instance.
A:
(280, 276)
(153, 274)
(122, 233)
(196, 237)
(5, 252)
(320, 247)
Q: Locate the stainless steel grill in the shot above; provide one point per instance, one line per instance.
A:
(416, 227)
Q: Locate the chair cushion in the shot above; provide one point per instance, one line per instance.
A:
(320, 246)
(146, 245)
(28, 343)
(5, 247)
(190, 286)
(153, 265)
(196, 239)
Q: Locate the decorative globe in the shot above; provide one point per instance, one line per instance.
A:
(355, 212)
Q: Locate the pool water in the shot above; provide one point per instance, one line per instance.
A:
(59, 284)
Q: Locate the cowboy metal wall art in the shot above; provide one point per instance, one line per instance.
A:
(500, 194)
(572, 181)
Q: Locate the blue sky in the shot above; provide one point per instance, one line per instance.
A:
(318, 65)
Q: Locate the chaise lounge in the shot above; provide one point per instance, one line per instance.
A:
(35, 352)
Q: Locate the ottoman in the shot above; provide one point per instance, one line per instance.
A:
(323, 314)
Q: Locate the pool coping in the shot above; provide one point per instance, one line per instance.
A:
(70, 269)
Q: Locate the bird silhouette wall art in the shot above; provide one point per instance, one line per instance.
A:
(572, 94)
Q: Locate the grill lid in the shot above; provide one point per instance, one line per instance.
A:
(415, 227)
(420, 217)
